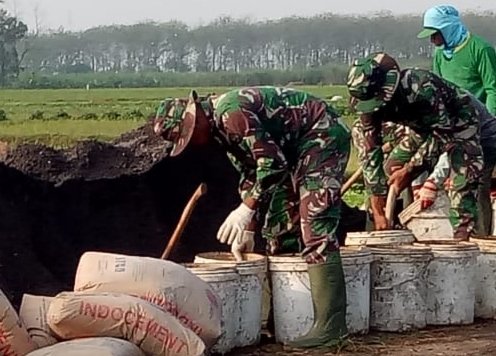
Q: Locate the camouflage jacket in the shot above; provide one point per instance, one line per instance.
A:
(434, 108)
(487, 126)
(261, 129)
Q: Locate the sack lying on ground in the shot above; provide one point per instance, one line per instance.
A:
(33, 314)
(164, 283)
(14, 338)
(73, 315)
(98, 346)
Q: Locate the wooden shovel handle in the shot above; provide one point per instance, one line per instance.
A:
(347, 185)
(391, 205)
(386, 148)
(199, 192)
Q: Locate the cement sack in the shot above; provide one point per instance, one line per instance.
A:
(14, 338)
(74, 315)
(97, 346)
(167, 284)
(33, 312)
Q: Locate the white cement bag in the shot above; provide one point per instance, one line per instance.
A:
(93, 346)
(14, 338)
(33, 314)
(74, 315)
(166, 284)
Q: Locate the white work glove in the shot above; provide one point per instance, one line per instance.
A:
(235, 224)
(243, 243)
(427, 194)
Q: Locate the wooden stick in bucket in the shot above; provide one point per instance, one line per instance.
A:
(391, 205)
(386, 148)
(199, 192)
(347, 185)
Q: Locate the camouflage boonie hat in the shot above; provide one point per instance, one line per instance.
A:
(178, 117)
(372, 82)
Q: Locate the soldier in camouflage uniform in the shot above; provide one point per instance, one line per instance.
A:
(429, 184)
(291, 150)
(395, 137)
(426, 185)
(440, 112)
(401, 139)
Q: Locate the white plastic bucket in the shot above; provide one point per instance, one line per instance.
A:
(493, 228)
(433, 224)
(292, 299)
(485, 290)
(380, 238)
(399, 288)
(452, 283)
(252, 272)
(356, 267)
(224, 280)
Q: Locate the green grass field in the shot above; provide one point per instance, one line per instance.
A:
(60, 117)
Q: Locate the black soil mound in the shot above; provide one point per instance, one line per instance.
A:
(123, 197)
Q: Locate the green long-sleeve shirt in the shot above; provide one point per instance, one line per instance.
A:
(473, 67)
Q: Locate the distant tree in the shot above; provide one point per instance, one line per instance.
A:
(11, 31)
(317, 48)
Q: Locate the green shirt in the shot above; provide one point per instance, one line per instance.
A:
(473, 67)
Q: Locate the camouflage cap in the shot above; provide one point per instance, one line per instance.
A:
(372, 82)
(176, 120)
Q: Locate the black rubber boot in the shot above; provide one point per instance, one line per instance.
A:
(329, 302)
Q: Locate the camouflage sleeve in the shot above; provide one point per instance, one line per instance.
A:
(372, 157)
(271, 163)
(440, 171)
(247, 177)
(419, 158)
(425, 94)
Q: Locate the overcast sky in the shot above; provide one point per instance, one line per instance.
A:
(83, 14)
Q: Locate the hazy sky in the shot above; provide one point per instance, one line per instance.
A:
(83, 14)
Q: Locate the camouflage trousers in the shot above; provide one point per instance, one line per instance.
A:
(465, 168)
(304, 211)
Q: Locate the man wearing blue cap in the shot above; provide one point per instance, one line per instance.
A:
(469, 61)
(461, 57)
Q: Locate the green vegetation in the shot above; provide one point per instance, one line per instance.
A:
(104, 112)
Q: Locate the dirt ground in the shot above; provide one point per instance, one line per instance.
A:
(474, 340)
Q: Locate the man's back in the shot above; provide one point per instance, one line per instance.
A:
(285, 113)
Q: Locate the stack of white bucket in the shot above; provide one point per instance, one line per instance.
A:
(485, 290)
(396, 281)
(242, 312)
(291, 296)
(415, 284)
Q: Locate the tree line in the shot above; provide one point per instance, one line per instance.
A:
(227, 51)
